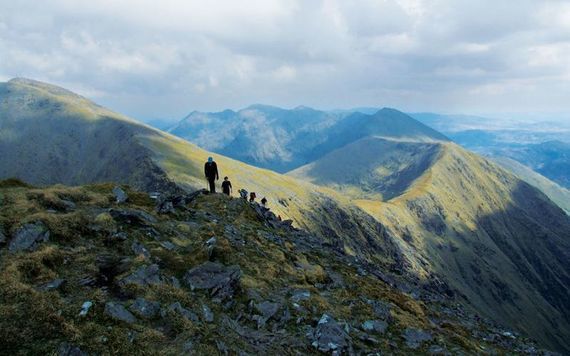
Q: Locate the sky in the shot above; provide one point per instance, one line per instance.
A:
(163, 59)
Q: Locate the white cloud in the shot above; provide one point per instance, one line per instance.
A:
(149, 59)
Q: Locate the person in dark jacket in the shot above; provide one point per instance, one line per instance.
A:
(227, 186)
(211, 173)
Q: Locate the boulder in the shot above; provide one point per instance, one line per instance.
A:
(120, 195)
(27, 237)
(118, 312)
(145, 309)
(144, 276)
(415, 337)
(222, 281)
(330, 336)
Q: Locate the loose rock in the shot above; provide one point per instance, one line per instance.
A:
(55, 284)
(180, 310)
(145, 275)
(132, 217)
(377, 326)
(120, 195)
(139, 249)
(145, 309)
(207, 313)
(222, 281)
(66, 349)
(28, 237)
(118, 312)
(415, 337)
(330, 336)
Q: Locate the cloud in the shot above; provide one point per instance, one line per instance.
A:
(164, 59)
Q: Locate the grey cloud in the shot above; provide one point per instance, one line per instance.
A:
(150, 60)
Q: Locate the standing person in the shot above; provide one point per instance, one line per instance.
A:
(211, 173)
(227, 186)
(252, 197)
(264, 202)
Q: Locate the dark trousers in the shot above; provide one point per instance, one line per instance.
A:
(212, 182)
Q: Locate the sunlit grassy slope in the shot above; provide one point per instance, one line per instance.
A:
(503, 244)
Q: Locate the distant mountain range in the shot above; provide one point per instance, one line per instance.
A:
(543, 147)
(282, 140)
(427, 214)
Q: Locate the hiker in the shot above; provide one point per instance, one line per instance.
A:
(243, 194)
(263, 202)
(252, 197)
(211, 173)
(227, 186)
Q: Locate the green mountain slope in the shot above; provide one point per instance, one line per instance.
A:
(500, 242)
(372, 167)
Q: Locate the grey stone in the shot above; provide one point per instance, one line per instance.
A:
(330, 336)
(55, 284)
(210, 246)
(66, 349)
(300, 295)
(168, 245)
(267, 310)
(415, 337)
(120, 195)
(221, 281)
(438, 350)
(207, 313)
(381, 309)
(118, 237)
(132, 217)
(28, 237)
(68, 204)
(139, 249)
(175, 282)
(177, 308)
(145, 309)
(144, 276)
(118, 312)
(85, 308)
(377, 326)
